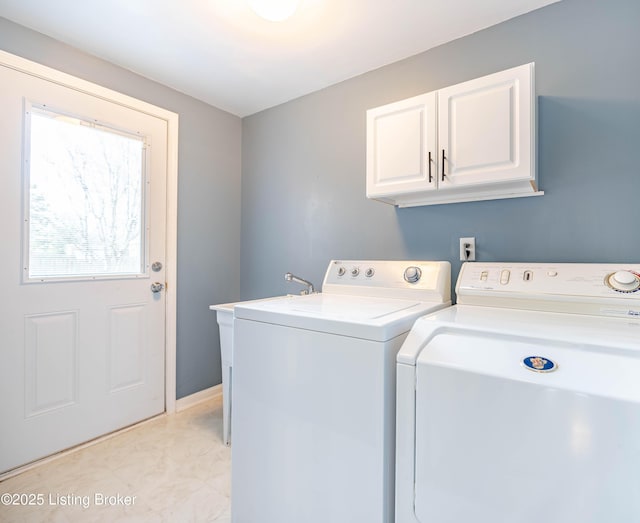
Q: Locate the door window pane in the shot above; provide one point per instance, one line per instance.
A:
(85, 200)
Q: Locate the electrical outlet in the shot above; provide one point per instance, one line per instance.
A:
(468, 249)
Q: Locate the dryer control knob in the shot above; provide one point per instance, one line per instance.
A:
(412, 274)
(623, 281)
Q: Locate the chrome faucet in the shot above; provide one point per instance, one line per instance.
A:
(309, 290)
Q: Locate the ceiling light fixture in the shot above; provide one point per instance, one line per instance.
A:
(274, 10)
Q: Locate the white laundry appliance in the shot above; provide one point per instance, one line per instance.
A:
(314, 393)
(522, 402)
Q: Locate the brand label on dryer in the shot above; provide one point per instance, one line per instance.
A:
(539, 364)
(627, 313)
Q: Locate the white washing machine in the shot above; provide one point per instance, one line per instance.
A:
(522, 402)
(314, 393)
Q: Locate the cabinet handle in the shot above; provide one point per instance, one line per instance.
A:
(443, 159)
(430, 177)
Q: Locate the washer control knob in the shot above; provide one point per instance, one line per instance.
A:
(623, 281)
(369, 272)
(355, 271)
(341, 271)
(412, 274)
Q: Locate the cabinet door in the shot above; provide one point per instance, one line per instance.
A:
(401, 140)
(486, 129)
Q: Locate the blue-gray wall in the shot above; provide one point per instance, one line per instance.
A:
(208, 197)
(303, 163)
(303, 166)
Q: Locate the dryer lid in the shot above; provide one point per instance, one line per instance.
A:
(512, 324)
(492, 438)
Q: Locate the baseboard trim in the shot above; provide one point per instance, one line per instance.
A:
(198, 397)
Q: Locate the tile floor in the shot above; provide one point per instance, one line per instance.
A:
(174, 469)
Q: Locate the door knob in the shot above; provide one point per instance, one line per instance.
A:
(156, 286)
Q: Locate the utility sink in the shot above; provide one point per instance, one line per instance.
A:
(225, 318)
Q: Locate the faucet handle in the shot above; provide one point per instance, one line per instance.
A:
(309, 290)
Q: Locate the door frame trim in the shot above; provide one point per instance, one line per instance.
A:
(53, 75)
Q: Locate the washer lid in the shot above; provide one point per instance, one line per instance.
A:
(371, 318)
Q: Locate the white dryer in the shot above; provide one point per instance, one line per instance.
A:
(314, 393)
(522, 402)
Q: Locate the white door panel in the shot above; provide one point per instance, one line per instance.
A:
(401, 146)
(81, 357)
(487, 128)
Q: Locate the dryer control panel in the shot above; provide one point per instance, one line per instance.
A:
(591, 288)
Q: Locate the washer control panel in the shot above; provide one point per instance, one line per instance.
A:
(520, 285)
(421, 280)
(412, 274)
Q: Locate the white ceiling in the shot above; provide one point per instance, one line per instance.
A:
(220, 52)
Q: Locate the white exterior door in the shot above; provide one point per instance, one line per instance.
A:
(486, 129)
(401, 147)
(83, 212)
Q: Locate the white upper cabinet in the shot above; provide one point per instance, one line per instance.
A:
(486, 128)
(471, 141)
(401, 137)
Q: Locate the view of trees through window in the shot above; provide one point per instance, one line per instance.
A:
(85, 199)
